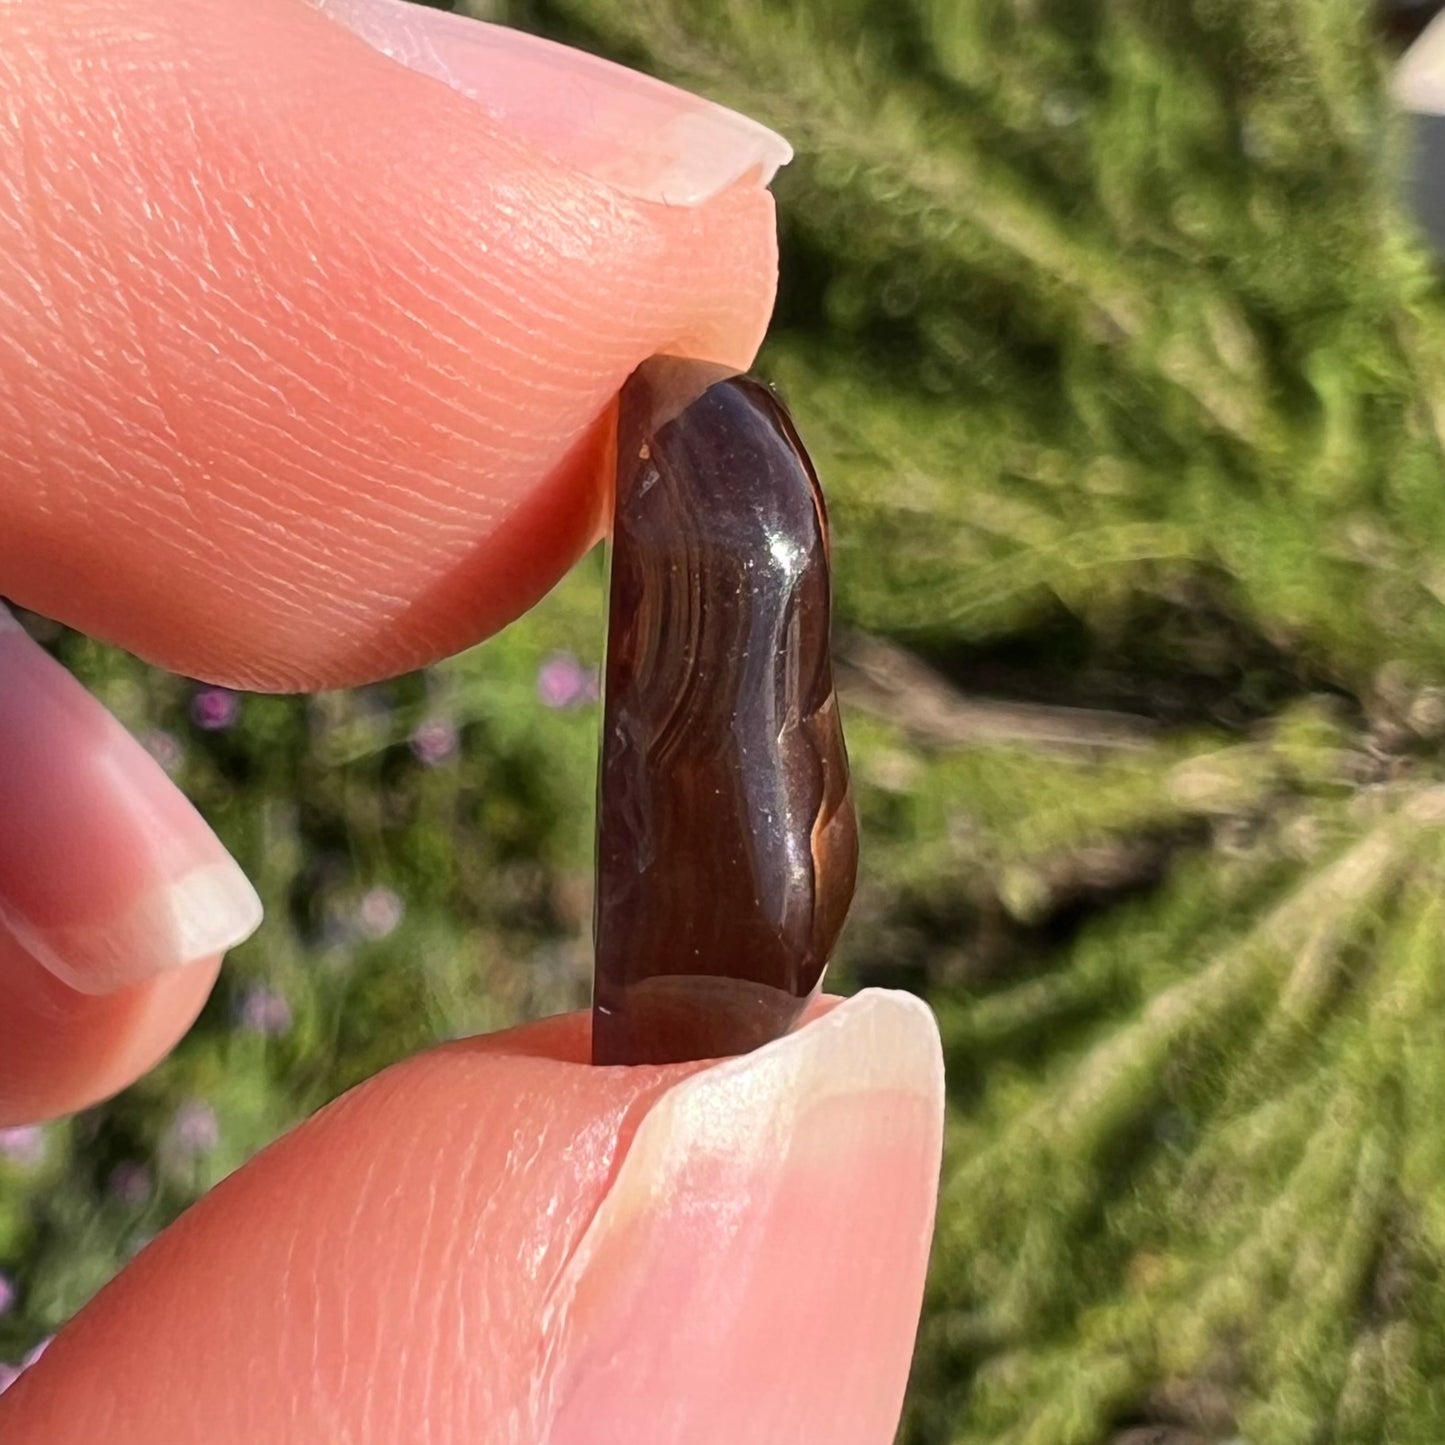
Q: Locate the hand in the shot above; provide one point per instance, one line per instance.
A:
(306, 360)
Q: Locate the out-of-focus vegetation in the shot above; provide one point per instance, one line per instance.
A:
(1127, 380)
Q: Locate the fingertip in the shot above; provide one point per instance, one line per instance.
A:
(759, 1258)
(383, 1264)
(108, 875)
(511, 1245)
(116, 898)
(349, 341)
(644, 137)
(63, 1051)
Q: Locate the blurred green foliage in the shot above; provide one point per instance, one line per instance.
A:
(1127, 380)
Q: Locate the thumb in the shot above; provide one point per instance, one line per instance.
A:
(495, 1243)
(310, 318)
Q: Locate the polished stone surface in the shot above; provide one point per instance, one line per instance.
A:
(727, 846)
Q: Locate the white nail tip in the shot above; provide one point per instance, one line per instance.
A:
(751, 1107)
(1419, 81)
(879, 1039)
(626, 129)
(201, 915)
(209, 911)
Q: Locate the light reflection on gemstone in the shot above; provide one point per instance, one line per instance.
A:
(727, 846)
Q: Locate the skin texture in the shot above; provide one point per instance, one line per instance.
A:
(498, 1244)
(306, 374)
(309, 340)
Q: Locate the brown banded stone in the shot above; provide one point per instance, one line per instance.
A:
(726, 843)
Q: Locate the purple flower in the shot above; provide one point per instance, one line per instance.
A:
(194, 1129)
(165, 748)
(130, 1183)
(264, 1011)
(435, 741)
(380, 912)
(214, 709)
(562, 681)
(8, 1294)
(23, 1145)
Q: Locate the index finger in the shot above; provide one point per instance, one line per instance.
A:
(306, 356)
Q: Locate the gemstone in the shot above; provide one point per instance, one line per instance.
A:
(727, 847)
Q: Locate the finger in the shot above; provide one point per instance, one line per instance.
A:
(305, 355)
(496, 1243)
(61, 1051)
(116, 899)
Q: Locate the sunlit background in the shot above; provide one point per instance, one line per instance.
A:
(1123, 366)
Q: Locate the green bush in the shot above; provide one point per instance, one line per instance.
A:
(1127, 381)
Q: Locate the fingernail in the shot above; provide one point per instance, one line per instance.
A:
(108, 875)
(633, 132)
(1419, 81)
(758, 1262)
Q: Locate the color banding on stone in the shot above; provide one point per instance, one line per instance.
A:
(726, 842)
